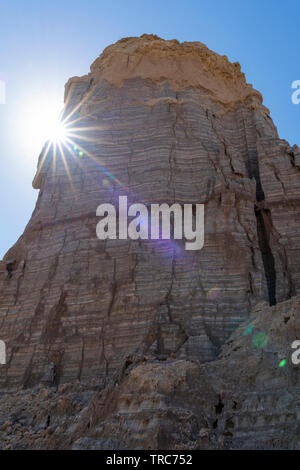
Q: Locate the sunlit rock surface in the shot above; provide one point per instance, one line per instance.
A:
(158, 121)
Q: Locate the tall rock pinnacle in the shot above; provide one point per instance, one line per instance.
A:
(161, 122)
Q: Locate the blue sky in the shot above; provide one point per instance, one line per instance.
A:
(44, 43)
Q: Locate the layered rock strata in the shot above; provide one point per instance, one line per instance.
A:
(161, 122)
(247, 399)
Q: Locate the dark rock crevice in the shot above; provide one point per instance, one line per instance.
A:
(263, 220)
(264, 226)
(263, 215)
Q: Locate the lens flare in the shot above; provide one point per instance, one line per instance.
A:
(213, 293)
(249, 330)
(260, 340)
(282, 363)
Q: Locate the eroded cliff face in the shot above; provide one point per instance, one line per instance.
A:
(158, 121)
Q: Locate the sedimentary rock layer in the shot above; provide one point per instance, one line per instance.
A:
(160, 122)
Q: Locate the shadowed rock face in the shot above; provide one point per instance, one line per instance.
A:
(159, 122)
(247, 399)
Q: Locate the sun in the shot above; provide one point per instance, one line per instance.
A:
(57, 132)
(46, 126)
(39, 122)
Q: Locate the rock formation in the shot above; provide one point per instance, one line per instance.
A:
(247, 399)
(125, 336)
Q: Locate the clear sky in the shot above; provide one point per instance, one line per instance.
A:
(43, 43)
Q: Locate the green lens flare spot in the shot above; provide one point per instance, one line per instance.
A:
(80, 153)
(282, 363)
(260, 339)
(75, 148)
(249, 330)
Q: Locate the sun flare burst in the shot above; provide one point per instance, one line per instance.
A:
(58, 132)
(66, 135)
